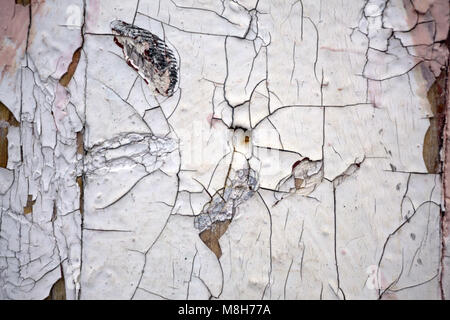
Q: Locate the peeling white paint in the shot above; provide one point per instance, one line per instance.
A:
(301, 122)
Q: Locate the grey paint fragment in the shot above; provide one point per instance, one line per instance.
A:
(222, 208)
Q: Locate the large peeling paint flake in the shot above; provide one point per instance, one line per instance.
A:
(254, 149)
(149, 55)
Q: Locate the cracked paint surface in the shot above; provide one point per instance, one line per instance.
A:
(248, 149)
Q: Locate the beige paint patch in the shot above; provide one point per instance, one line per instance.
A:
(58, 291)
(211, 236)
(433, 138)
(6, 119)
(29, 207)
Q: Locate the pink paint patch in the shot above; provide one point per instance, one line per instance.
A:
(422, 6)
(211, 120)
(60, 103)
(14, 20)
(93, 9)
(375, 92)
(346, 50)
(434, 55)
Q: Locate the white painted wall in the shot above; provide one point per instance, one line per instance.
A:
(262, 85)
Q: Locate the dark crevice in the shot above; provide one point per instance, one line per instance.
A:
(65, 79)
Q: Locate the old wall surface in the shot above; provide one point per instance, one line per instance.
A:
(233, 149)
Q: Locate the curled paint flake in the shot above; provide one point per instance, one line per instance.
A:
(149, 55)
(306, 176)
(127, 150)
